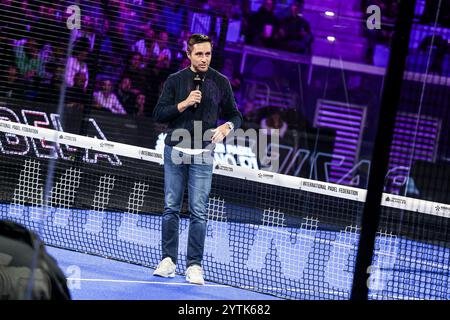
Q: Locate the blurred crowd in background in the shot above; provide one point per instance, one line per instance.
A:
(120, 58)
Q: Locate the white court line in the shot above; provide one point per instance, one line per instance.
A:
(149, 282)
(336, 293)
(333, 292)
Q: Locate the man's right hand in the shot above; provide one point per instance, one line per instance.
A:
(193, 98)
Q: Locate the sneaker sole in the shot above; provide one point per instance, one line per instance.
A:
(170, 275)
(194, 282)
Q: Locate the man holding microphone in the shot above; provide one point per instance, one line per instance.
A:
(190, 102)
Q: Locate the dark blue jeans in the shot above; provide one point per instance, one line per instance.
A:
(196, 172)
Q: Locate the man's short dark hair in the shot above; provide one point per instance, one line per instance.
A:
(197, 38)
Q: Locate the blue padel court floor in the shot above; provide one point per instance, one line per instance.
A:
(96, 278)
(298, 263)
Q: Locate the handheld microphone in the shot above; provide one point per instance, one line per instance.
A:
(198, 84)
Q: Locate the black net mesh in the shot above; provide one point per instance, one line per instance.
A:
(264, 233)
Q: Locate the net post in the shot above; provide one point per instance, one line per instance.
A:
(388, 109)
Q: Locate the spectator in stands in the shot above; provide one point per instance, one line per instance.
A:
(30, 66)
(125, 95)
(148, 47)
(274, 121)
(77, 96)
(295, 31)
(136, 73)
(77, 62)
(106, 99)
(182, 44)
(27, 58)
(164, 59)
(162, 68)
(139, 106)
(263, 26)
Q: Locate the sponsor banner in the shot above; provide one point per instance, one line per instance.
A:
(417, 205)
(100, 145)
(19, 129)
(267, 177)
(150, 155)
(442, 210)
(397, 202)
(394, 200)
(47, 135)
(260, 176)
(334, 190)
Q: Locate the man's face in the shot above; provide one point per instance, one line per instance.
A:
(107, 86)
(136, 61)
(200, 56)
(140, 99)
(125, 84)
(150, 34)
(80, 79)
(164, 37)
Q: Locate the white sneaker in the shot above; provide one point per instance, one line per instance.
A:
(194, 274)
(166, 268)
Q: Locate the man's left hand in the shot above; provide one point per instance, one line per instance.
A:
(220, 133)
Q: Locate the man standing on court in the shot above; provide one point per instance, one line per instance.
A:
(190, 102)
